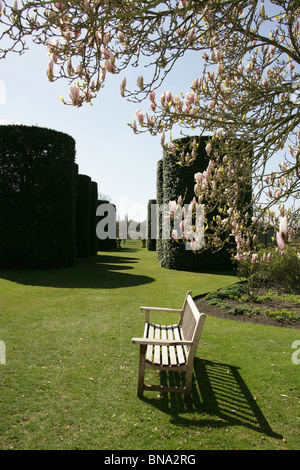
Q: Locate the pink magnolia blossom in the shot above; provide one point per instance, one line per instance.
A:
(283, 226)
(109, 64)
(204, 186)
(192, 206)
(262, 12)
(172, 147)
(190, 96)
(197, 242)
(291, 66)
(191, 35)
(140, 82)
(198, 177)
(106, 38)
(197, 83)
(175, 234)
(103, 74)
(238, 239)
(172, 208)
(282, 233)
(69, 66)
(151, 120)
(50, 71)
(280, 241)
(140, 116)
(109, 60)
(177, 102)
(79, 69)
(122, 87)
(169, 98)
(208, 148)
(152, 95)
(52, 46)
(76, 95)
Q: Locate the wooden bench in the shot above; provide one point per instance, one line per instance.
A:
(170, 348)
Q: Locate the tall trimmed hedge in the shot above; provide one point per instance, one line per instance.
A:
(36, 197)
(151, 226)
(173, 181)
(93, 219)
(159, 201)
(107, 243)
(83, 216)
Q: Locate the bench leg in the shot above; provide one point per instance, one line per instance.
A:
(141, 370)
(188, 382)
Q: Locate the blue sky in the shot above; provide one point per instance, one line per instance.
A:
(123, 164)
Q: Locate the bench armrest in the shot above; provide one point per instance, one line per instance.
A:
(158, 309)
(161, 342)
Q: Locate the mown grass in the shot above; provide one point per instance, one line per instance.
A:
(70, 377)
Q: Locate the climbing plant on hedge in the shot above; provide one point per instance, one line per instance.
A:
(36, 197)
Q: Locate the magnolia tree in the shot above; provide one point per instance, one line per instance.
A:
(246, 96)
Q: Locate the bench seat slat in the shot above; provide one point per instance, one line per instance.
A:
(164, 355)
(150, 335)
(172, 353)
(156, 359)
(164, 349)
(179, 349)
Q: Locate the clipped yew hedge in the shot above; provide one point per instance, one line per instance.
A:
(151, 226)
(93, 219)
(159, 202)
(173, 181)
(83, 216)
(109, 242)
(37, 168)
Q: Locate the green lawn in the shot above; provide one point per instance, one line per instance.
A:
(70, 377)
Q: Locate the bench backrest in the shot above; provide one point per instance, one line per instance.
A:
(192, 323)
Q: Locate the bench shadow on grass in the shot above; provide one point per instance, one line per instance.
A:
(102, 271)
(220, 397)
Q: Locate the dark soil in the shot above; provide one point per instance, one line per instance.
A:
(259, 318)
